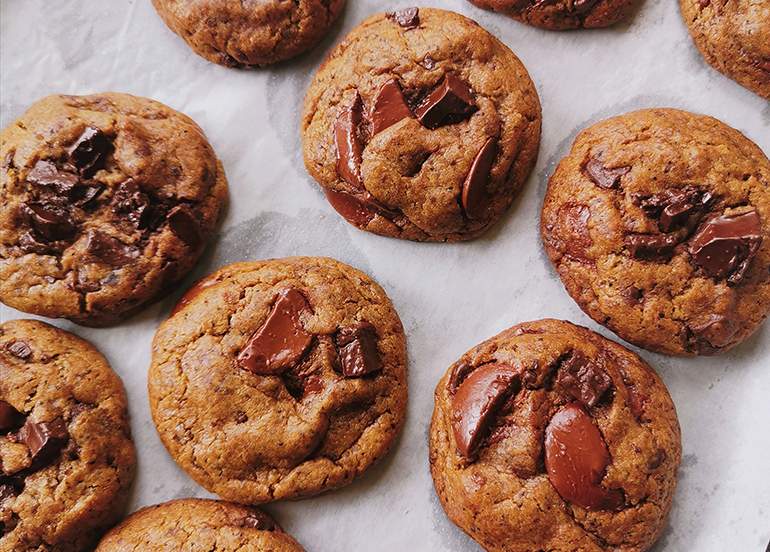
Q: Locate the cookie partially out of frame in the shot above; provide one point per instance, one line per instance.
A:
(560, 15)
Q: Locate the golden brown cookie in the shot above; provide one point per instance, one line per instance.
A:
(249, 33)
(105, 201)
(734, 37)
(66, 456)
(279, 379)
(562, 15)
(658, 223)
(551, 437)
(421, 125)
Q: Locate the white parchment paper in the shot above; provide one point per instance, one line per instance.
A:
(449, 297)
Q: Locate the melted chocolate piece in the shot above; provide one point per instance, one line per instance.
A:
(46, 174)
(43, 439)
(450, 102)
(357, 350)
(51, 223)
(475, 199)
(681, 208)
(725, 246)
(408, 18)
(10, 418)
(130, 202)
(604, 177)
(583, 380)
(388, 107)
(477, 401)
(259, 520)
(574, 232)
(576, 459)
(351, 207)
(458, 375)
(184, 225)
(282, 340)
(652, 246)
(19, 349)
(349, 143)
(712, 334)
(109, 250)
(89, 151)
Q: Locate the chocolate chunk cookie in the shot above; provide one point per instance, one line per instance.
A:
(734, 37)
(561, 15)
(196, 525)
(421, 125)
(250, 33)
(551, 437)
(279, 379)
(105, 201)
(658, 223)
(66, 456)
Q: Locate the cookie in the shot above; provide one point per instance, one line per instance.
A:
(421, 125)
(279, 379)
(235, 33)
(197, 525)
(66, 455)
(550, 437)
(734, 37)
(658, 223)
(562, 15)
(105, 202)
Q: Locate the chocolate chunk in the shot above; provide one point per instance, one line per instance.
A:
(351, 207)
(89, 151)
(357, 350)
(43, 439)
(10, 418)
(652, 246)
(45, 173)
(573, 233)
(604, 177)
(681, 208)
(19, 349)
(184, 225)
(349, 143)
(282, 339)
(475, 197)
(50, 222)
(85, 195)
(477, 401)
(583, 379)
(109, 250)
(136, 206)
(408, 18)
(428, 62)
(458, 375)
(9, 489)
(576, 459)
(450, 102)
(725, 246)
(388, 107)
(712, 334)
(259, 520)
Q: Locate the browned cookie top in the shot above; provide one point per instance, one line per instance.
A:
(550, 437)
(734, 37)
(196, 525)
(249, 33)
(279, 379)
(66, 456)
(560, 15)
(105, 201)
(421, 125)
(658, 223)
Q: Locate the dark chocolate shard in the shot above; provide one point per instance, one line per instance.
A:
(652, 246)
(89, 151)
(357, 350)
(129, 202)
(408, 18)
(724, 246)
(355, 211)
(50, 222)
(583, 379)
(46, 174)
(712, 334)
(450, 102)
(677, 208)
(185, 226)
(576, 459)
(604, 177)
(259, 520)
(475, 197)
(388, 107)
(19, 349)
(477, 402)
(282, 340)
(44, 439)
(349, 144)
(109, 250)
(10, 418)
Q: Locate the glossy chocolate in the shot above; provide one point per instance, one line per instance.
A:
(651, 246)
(354, 210)
(476, 403)
(282, 339)
(184, 225)
(46, 174)
(109, 250)
(43, 439)
(89, 151)
(19, 349)
(604, 177)
(725, 246)
(576, 459)
(349, 144)
(260, 521)
(388, 107)
(50, 222)
(10, 418)
(357, 350)
(679, 208)
(475, 197)
(450, 102)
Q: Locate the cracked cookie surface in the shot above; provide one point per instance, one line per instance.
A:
(197, 525)
(421, 125)
(66, 455)
(658, 223)
(279, 379)
(551, 437)
(249, 33)
(105, 201)
(560, 15)
(734, 37)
